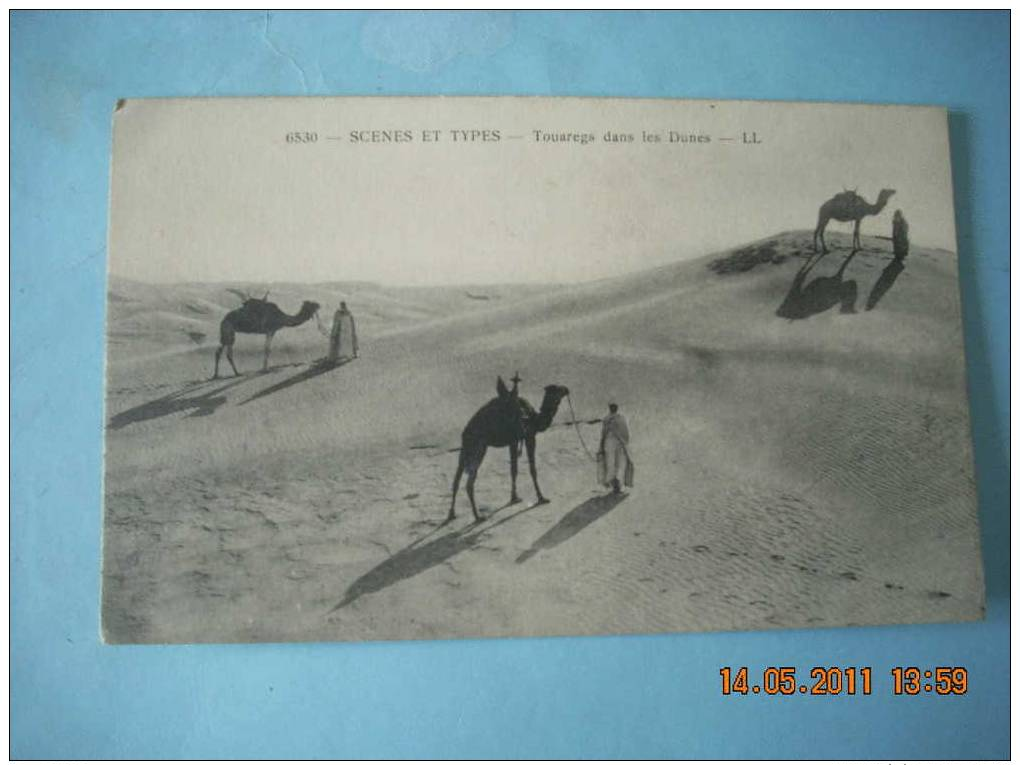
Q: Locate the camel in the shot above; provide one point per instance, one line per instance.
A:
(258, 317)
(506, 420)
(847, 206)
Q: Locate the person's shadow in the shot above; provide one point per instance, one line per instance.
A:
(573, 523)
(315, 369)
(820, 294)
(889, 275)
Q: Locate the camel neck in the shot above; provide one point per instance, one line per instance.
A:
(546, 413)
(299, 318)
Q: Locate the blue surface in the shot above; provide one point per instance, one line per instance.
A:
(654, 696)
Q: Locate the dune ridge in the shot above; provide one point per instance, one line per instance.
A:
(791, 471)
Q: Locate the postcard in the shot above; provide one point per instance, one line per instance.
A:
(416, 368)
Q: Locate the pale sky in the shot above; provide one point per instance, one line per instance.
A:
(210, 190)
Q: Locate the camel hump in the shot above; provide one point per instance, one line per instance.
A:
(847, 197)
(258, 309)
(254, 303)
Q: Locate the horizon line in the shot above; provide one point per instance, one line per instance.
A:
(463, 285)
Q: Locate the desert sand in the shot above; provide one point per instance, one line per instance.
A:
(797, 464)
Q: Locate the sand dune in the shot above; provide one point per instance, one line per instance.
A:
(797, 464)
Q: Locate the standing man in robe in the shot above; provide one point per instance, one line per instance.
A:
(900, 236)
(613, 454)
(343, 338)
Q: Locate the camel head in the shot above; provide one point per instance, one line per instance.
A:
(884, 194)
(308, 309)
(555, 393)
(550, 403)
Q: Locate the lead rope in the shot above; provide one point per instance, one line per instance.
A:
(322, 329)
(577, 428)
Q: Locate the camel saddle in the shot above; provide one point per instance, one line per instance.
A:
(254, 307)
(512, 399)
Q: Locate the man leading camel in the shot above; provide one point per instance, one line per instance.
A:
(613, 453)
(900, 236)
(343, 338)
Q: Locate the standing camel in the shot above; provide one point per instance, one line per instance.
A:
(258, 317)
(505, 421)
(848, 206)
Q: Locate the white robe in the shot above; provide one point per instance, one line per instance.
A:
(616, 456)
(343, 341)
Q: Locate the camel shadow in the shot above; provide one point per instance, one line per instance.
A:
(889, 275)
(820, 294)
(420, 556)
(573, 523)
(316, 368)
(201, 405)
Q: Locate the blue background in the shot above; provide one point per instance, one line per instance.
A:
(653, 696)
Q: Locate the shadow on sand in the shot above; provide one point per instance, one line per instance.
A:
(202, 404)
(316, 368)
(885, 282)
(572, 523)
(823, 293)
(421, 555)
(820, 294)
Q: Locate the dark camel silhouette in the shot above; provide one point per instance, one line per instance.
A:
(820, 294)
(506, 420)
(258, 317)
(845, 207)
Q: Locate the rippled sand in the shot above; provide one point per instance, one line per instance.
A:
(790, 471)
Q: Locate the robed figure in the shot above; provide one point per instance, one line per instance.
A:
(343, 337)
(614, 454)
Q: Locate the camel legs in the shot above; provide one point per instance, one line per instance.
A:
(472, 464)
(456, 485)
(470, 461)
(230, 358)
(529, 444)
(857, 236)
(820, 235)
(265, 360)
(514, 499)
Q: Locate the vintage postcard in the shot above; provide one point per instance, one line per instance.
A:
(405, 368)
